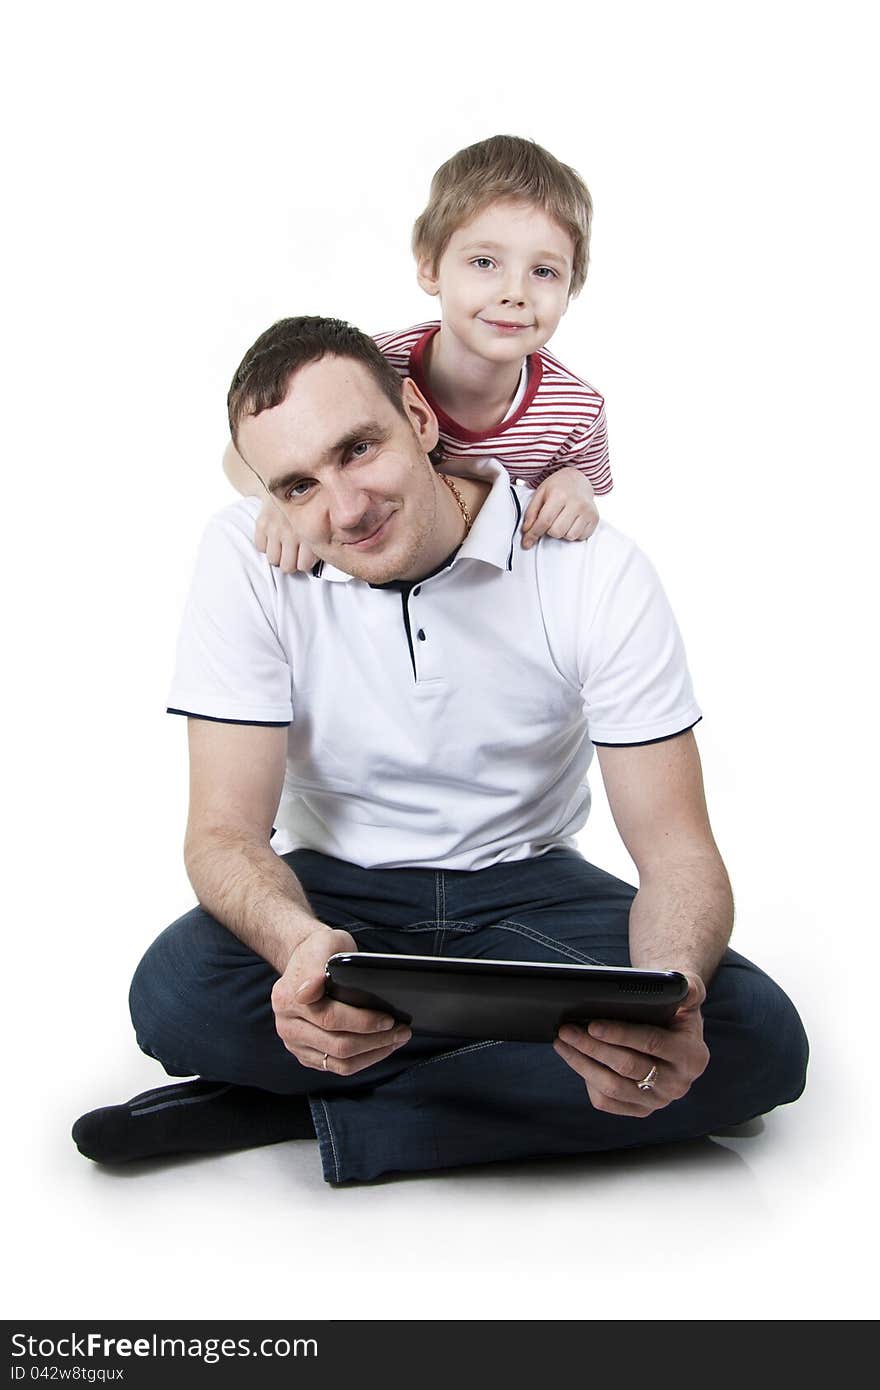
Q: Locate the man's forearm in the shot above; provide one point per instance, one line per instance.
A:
(245, 885)
(682, 916)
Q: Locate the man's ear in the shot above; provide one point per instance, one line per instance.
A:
(426, 274)
(420, 415)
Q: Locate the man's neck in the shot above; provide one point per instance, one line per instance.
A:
(450, 528)
(475, 393)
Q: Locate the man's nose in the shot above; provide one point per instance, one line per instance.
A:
(348, 503)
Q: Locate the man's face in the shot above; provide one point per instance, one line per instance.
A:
(349, 471)
(503, 281)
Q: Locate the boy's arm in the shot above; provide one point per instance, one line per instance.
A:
(242, 478)
(273, 535)
(586, 450)
(564, 506)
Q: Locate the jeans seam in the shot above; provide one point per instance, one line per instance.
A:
(440, 903)
(520, 929)
(353, 928)
(332, 1140)
(446, 1056)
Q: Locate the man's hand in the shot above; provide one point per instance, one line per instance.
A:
(562, 507)
(275, 537)
(612, 1058)
(320, 1032)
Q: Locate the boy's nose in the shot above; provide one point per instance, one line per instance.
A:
(514, 296)
(513, 291)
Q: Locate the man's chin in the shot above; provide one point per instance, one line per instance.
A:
(376, 568)
(391, 554)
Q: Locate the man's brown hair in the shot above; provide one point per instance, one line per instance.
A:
(504, 166)
(262, 378)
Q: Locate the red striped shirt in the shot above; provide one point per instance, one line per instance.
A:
(560, 421)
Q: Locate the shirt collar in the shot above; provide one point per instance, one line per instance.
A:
(491, 538)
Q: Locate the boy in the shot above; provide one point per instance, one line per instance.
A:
(503, 244)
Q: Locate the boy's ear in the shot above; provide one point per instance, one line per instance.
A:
(426, 275)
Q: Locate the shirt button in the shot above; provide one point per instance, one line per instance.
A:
(421, 635)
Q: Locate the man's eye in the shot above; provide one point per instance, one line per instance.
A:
(545, 272)
(298, 490)
(483, 262)
(360, 449)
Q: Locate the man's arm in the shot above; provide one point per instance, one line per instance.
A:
(236, 776)
(682, 916)
(681, 919)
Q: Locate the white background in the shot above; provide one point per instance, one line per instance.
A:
(180, 176)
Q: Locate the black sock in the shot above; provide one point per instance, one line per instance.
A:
(191, 1117)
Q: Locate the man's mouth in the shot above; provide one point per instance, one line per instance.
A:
(372, 539)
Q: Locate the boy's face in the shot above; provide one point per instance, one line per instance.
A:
(503, 280)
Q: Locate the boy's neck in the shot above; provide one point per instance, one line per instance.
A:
(474, 392)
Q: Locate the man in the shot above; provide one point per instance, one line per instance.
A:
(410, 726)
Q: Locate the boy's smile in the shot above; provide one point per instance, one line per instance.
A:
(503, 282)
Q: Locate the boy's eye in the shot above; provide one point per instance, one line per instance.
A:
(545, 272)
(483, 262)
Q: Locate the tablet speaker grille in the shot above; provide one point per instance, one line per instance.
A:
(641, 987)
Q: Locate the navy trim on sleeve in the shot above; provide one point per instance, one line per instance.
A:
(664, 738)
(251, 723)
(516, 503)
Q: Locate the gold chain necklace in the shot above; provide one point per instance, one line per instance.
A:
(462, 505)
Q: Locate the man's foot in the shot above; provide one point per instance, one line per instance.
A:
(191, 1117)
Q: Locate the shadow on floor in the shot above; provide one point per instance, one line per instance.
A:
(690, 1155)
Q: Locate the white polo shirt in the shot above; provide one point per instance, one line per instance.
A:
(451, 725)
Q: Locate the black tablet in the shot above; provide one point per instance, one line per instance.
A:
(502, 1000)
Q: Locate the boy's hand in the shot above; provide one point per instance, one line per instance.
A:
(275, 537)
(562, 507)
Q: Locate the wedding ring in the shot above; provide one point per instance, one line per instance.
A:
(648, 1083)
(324, 1062)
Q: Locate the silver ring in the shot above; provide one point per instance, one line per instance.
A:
(648, 1083)
(324, 1062)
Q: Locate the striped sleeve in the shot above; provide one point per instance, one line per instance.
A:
(586, 449)
(567, 405)
(398, 346)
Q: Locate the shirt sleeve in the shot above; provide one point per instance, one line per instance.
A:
(231, 665)
(635, 682)
(396, 347)
(585, 449)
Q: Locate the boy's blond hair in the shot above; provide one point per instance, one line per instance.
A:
(504, 166)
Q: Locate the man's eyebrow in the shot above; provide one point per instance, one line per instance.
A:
(496, 246)
(367, 429)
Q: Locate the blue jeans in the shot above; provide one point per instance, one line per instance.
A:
(200, 1005)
